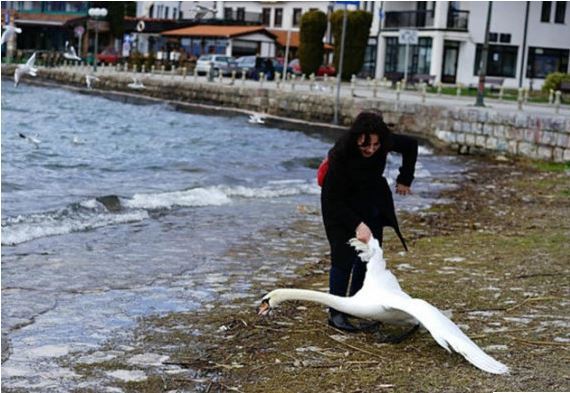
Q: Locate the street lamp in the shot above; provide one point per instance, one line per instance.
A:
(97, 13)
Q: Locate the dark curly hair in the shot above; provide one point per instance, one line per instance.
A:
(366, 123)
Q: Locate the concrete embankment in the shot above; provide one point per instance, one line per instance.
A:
(543, 136)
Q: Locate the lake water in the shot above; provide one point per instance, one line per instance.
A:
(77, 272)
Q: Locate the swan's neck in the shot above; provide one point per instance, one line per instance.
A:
(336, 302)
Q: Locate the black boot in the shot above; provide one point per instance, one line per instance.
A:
(338, 320)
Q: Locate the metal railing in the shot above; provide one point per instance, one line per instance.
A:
(421, 18)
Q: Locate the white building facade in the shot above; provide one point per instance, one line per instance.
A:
(527, 40)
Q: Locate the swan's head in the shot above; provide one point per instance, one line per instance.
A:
(269, 301)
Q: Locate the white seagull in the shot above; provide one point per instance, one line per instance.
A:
(10, 30)
(137, 84)
(382, 299)
(89, 79)
(70, 53)
(35, 141)
(23, 69)
(256, 119)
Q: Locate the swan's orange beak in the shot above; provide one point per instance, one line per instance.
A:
(263, 308)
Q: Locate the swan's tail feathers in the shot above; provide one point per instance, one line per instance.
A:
(448, 335)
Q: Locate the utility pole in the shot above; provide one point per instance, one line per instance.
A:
(483, 60)
(340, 61)
(523, 65)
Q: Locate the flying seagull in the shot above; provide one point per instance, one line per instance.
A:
(24, 69)
(137, 84)
(255, 118)
(89, 79)
(35, 141)
(70, 53)
(10, 30)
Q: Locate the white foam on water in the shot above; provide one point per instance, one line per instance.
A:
(188, 198)
(22, 229)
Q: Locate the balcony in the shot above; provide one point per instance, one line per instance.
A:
(398, 19)
(457, 20)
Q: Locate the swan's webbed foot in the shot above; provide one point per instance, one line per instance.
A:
(396, 339)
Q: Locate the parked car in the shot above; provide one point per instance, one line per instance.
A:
(328, 70)
(109, 56)
(278, 64)
(254, 65)
(221, 63)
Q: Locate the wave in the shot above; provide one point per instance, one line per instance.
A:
(112, 210)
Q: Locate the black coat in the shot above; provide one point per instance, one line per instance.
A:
(355, 191)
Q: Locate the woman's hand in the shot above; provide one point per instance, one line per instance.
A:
(363, 233)
(402, 189)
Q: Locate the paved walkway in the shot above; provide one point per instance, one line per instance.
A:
(363, 89)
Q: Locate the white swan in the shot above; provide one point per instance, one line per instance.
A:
(23, 69)
(382, 299)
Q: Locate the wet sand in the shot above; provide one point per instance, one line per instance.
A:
(498, 257)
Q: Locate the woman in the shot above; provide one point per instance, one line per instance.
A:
(356, 200)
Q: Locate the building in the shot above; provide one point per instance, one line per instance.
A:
(527, 40)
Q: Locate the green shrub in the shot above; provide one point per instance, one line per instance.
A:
(356, 40)
(313, 27)
(553, 81)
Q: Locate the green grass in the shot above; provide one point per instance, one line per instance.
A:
(552, 166)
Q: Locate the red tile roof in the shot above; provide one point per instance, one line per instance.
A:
(216, 31)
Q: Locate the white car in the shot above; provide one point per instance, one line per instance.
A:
(221, 63)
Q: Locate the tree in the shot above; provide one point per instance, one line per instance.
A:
(311, 51)
(356, 40)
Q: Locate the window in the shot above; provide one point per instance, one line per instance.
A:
(505, 38)
(493, 37)
(545, 12)
(240, 14)
(278, 22)
(560, 12)
(297, 16)
(166, 12)
(501, 60)
(419, 58)
(543, 61)
(228, 14)
(265, 16)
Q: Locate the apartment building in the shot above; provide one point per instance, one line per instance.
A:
(527, 40)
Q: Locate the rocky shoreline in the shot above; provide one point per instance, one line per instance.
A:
(497, 257)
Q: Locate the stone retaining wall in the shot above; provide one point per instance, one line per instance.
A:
(521, 134)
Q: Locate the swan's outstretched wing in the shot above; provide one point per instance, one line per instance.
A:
(446, 333)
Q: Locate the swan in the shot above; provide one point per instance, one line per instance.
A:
(256, 119)
(23, 69)
(382, 299)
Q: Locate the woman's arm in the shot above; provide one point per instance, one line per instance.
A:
(408, 148)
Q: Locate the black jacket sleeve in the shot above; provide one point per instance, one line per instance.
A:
(408, 148)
